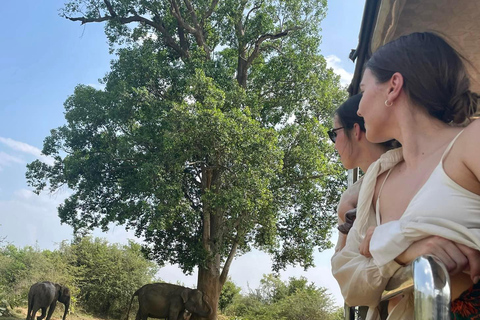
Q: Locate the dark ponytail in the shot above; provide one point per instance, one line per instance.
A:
(434, 75)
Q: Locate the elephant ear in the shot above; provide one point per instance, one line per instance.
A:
(184, 295)
(58, 289)
(65, 291)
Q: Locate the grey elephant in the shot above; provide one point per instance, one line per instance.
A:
(169, 301)
(43, 295)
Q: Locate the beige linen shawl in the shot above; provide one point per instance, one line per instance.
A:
(362, 280)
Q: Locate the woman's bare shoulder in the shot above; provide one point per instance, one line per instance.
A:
(467, 148)
(469, 139)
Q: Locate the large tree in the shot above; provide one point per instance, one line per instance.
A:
(209, 137)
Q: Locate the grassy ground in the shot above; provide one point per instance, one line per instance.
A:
(21, 313)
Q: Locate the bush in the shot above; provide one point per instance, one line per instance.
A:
(101, 276)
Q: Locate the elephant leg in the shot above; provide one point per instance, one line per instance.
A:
(139, 315)
(29, 312)
(34, 312)
(173, 315)
(51, 309)
(44, 312)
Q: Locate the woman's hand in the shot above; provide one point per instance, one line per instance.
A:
(455, 257)
(364, 247)
(473, 257)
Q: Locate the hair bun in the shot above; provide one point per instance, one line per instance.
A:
(462, 107)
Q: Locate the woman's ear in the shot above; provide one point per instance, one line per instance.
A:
(395, 87)
(357, 131)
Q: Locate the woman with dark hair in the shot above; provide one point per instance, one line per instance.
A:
(423, 198)
(348, 135)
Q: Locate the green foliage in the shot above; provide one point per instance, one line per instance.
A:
(21, 267)
(101, 277)
(175, 139)
(338, 314)
(229, 292)
(210, 136)
(291, 300)
(108, 274)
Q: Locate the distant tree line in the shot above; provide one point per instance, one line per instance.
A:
(103, 276)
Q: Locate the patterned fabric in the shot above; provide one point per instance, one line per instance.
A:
(467, 306)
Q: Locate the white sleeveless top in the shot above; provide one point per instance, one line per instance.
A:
(439, 198)
(441, 207)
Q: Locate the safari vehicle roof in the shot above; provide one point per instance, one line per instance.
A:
(458, 21)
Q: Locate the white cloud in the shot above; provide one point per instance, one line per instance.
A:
(6, 160)
(26, 148)
(334, 63)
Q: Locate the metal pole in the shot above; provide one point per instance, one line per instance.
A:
(352, 177)
(349, 312)
(431, 282)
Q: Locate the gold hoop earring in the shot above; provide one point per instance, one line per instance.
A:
(388, 105)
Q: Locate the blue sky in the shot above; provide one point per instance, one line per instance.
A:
(42, 58)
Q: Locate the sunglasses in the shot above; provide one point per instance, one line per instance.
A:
(333, 134)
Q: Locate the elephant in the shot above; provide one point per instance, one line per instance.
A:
(169, 301)
(43, 295)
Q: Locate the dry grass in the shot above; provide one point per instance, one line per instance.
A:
(21, 314)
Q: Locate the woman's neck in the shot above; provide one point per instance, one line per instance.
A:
(422, 136)
(372, 153)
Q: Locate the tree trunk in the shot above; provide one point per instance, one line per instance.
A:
(242, 71)
(209, 283)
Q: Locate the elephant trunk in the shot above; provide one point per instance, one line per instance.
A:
(206, 310)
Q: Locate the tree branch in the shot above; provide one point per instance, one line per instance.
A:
(196, 29)
(157, 25)
(210, 10)
(251, 10)
(191, 10)
(265, 37)
(228, 262)
(87, 20)
(110, 8)
(175, 10)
